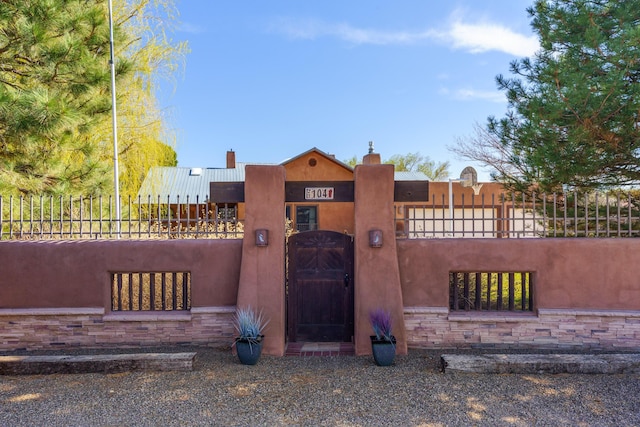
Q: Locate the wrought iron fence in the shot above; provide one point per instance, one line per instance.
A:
(500, 216)
(151, 291)
(491, 291)
(58, 217)
(521, 215)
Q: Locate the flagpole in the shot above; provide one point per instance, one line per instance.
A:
(112, 63)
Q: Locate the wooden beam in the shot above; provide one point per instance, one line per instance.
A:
(411, 191)
(302, 191)
(226, 192)
(314, 191)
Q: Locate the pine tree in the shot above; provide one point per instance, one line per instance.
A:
(573, 115)
(54, 87)
(55, 95)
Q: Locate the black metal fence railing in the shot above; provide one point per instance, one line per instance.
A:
(496, 215)
(57, 217)
(521, 215)
(150, 291)
(491, 291)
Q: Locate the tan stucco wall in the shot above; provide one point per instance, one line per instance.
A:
(56, 293)
(334, 216)
(43, 274)
(568, 273)
(325, 169)
(377, 279)
(262, 280)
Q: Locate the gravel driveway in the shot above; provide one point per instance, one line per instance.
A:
(318, 391)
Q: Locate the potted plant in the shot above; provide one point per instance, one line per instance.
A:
(249, 325)
(383, 343)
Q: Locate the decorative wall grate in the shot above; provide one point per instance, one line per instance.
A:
(491, 291)
(150, 291)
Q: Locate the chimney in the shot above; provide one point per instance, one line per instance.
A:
(231, 159)
(371, 158)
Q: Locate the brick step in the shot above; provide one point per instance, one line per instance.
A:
(95, 363)
(625, 363)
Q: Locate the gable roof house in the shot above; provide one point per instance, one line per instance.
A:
(323, 184)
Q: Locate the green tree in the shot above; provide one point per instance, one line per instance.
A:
(144, 137)
(417, 162)
(55, 103)
(352, 161)
(413, 162)
(54, 89)
(574, 108)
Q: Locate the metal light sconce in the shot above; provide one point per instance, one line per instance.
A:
(262, 237)
(375, 238)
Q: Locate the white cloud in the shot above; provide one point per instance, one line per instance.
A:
(471, 94)
(484, 37)
(314, 29)
(472, 37)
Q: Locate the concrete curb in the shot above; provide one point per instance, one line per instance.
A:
(542, 363)
(100, 363)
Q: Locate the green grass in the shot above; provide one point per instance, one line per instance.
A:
(498, 291)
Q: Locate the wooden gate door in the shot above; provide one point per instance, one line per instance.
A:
(320, 291)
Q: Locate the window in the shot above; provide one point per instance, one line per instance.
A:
(227, 212)
(161, 290)
(491, 291)
(306, 218)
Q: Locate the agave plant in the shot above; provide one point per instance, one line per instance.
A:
(249, 323)
(381, 323)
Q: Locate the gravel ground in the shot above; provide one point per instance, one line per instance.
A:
(318, 391)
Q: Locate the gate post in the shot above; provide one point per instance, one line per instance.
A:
(262, 278)
(377, 275)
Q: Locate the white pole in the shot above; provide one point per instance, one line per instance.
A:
(451, 216)
(112, 63)
(451, 206)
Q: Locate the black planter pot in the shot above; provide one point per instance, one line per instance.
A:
(384, 351)
(249, 350)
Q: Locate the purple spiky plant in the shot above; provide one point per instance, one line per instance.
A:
(381, 323)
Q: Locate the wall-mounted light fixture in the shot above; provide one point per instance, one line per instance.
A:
(375, 238)
(262, 237)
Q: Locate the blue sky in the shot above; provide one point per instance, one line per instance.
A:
(273, 79)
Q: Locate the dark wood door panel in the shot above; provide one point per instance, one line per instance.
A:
(320, 304)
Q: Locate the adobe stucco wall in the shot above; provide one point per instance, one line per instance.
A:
(377, 279)
(54, 274)
(587, 292)
(262, 279)
(569, 273)
(57, 293)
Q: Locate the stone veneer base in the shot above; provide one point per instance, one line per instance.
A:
(46, 329)
(436, 327)
(426, 327)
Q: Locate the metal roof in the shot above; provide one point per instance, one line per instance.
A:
(175, 184)
(178, 183)
(410, 176)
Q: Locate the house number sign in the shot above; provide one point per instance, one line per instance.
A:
(319, 193)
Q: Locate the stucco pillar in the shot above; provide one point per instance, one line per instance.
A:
(262, 278)
(377, 275)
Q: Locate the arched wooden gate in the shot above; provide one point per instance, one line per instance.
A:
(320, 287)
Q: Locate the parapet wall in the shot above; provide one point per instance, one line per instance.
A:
(587, 293)
(57, 294)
